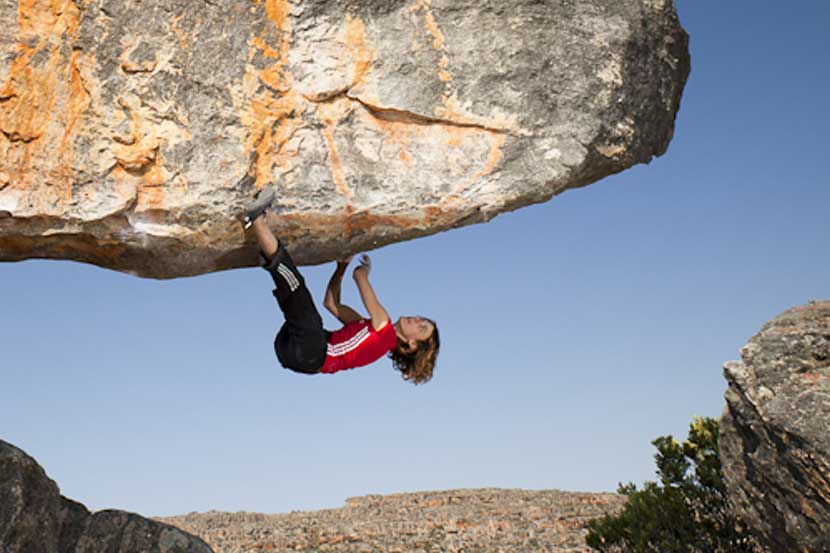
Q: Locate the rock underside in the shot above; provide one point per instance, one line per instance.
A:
(774, 439)
(35, 518)
(484, 520)
(125, 127)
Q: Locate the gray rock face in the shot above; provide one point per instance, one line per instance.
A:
(126, 126)
(774, 439)
(29, 505)
(35, 518)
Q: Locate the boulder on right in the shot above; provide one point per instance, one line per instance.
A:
(775, 431)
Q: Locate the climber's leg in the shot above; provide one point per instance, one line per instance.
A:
(291, 292)
(301, 343)
(268, 243)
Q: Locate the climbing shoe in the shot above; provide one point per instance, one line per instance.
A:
(260, 205)
(246, 182)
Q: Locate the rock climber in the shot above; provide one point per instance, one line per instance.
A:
(304, 346)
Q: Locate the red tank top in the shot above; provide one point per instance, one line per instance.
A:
(358, 344)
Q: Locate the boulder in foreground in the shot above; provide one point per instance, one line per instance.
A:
(35, 518)
(774, 438)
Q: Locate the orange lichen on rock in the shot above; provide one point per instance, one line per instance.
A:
(28, 97)
(184, 39)
(443, 74)
(274, 111)
(394, 127)
(79, 101)
(136, 158)
(493, 157)
(432, 27)
(450, 108)
(277, 12)
(359, 55)
(151, 192)
(330, 114)
(141, 164)
(453, 201)
(404, 156)
(439, 44)
(355, 60)
(407, 130)
(43, 98)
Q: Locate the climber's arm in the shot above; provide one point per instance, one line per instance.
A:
(367, 294)
(344, 313)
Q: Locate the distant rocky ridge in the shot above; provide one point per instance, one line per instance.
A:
(478, 520)
(775, 432)
(35, 518)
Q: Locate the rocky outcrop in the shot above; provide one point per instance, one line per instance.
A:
(125, 127)
(35, 518)
(454, 521)
(774, 439)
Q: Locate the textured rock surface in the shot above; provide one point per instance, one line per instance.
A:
(774, 439)
(126, 126)
(35, 518)
(487, 520)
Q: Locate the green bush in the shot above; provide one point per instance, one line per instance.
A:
(686, 512)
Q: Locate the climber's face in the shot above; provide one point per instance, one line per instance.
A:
(415, 329)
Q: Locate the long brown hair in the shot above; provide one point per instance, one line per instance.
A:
(416, 365)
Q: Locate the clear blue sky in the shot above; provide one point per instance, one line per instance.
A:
(573, 332)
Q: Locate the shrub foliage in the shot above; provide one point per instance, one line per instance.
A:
(685, 512)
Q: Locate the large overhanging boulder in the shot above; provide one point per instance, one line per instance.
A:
(774, 439)
(126, 126)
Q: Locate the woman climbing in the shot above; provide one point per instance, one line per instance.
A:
(303, 345)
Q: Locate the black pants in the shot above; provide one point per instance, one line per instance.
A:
(301, 342)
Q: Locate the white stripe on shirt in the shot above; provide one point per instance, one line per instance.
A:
(352, 343)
